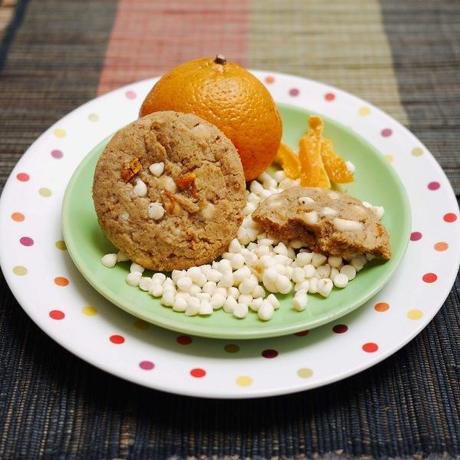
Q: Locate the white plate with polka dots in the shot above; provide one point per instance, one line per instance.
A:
(55, 295)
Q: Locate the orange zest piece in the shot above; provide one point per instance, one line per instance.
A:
(289, 161)
(185, 180)
(334, 165)
(133, 168)
(313, 173)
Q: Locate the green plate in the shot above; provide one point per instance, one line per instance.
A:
(375, 182)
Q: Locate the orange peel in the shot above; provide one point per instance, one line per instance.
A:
(289, 161)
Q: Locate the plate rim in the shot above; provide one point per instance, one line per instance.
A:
(200, 330)
(450, 276)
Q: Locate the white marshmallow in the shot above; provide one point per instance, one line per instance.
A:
(184, 283)
(235, 246)
(217, 301)
(273, 300)
(256, 304)
(303, 258)
(136, 268)
(245, 298)
(192, 308)
(300, 300)
(194, 290)
(265, 311)
(318, 259)
(156, 289)
(240, 311)
(283, 284)
(334, 261)
(210, 287)
(323, 271)
(122, 257)
(140, 189)
(295, 244)
(180, 303)
(258, 291)
(379, 211)
(298, 275)
(279, 175)
(230, 304)
(304, 285)
(233, 292)
(325, 286)
(248, 285)
(280, 249)
(340, 281)
(155, 211)
(157, 169)
(168, 298)
(159, 278)
(313, 287)
(349, 271)
(226, 281)
(205, 308)
(133, 278)
(358, 262)
(311, 217)
(109, 260)
(350, 166)
(145, 283)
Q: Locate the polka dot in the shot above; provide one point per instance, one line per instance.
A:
(198, 373)
(244, 381)
(88, 310)
(364, 111)
(117, 339)
(17, 217)
(61, 245)
(294, 92)
(184, 340)
(387, 132)
(93, 117)
(414, 314)
(141, 324)
(450, 217)
(340, 328)
(59, 133)
(415, 236)
(57, 154)
(433, 185)
(329, 97)
(269, 79)
(146, 365)
(45, 192)
(61, 281)
(381, 307)
(370, 347)
(389, 158)
(305, 373)
(302, 333)
(26, 241)
(130, 94)
(57, 314)
(22, 177)
(20, 270)
(430, 277)
(270, 354)
(232, 348)
(417, 151)
(441, 246)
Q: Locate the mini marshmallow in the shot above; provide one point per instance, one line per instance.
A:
(140, 189)
(205, 308)
(267, 180)
(325, 286)
(334, 273)
(273, 300)
(311, 217)
(230, 304)
(240, 311)
(157, 169)
(303, 258)
(109, 260)
(235, 246)
(256, 304)
(340, 281)
(145, 283)
(213, 275)
(283, 284)
(222, 291)
(262, 251)
(298, 275)
(378, 210)
(295, 244)
(156, 289)
(155, 211)
(258, 292)
(180, 303)
(349, 271)
(233, 292)
(253, 198)
(226, 281)
(266, 242)
(313, 287)
(192, 309)
(249, 209)
(245, 298)
(304, 285)
(194, 290)
(217, 301)
(168, 298)
(265, 311)
(318, 259)
(323, 271)
(210, 287)
(256, 187)
(248, 285)
(280, 249)
(136, 268)
(300, 300)
(237, 261)
(133, 278)
(279, 175)
(350, 166)
(175, 275)
(184, 283)
(159, 278)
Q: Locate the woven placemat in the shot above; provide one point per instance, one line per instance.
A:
(53, 405)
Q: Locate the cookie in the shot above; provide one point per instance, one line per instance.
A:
(326, 221)
(169, 191)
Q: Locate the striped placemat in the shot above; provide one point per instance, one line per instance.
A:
(401, 55)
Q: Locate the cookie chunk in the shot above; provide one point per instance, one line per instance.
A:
(169, 191)
(324, 220)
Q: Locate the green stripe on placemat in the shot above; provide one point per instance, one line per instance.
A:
(425, 43)
(342, 43)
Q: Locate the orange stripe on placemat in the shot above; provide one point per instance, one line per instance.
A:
(149, 37)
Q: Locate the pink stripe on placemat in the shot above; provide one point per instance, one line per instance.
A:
(149, 37)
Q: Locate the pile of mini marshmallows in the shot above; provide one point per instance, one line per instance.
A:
(254, 269)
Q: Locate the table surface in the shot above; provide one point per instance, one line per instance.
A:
(403, 56)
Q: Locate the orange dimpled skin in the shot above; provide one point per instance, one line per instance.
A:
(228, 96)
(289, 161)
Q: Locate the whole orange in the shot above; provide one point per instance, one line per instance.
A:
(229, 97)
